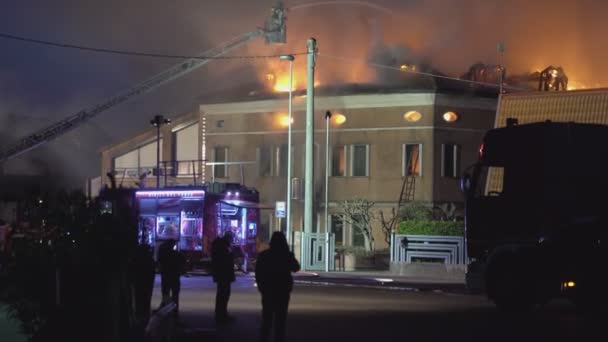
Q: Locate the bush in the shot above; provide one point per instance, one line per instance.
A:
(420, 227)
(416, 211)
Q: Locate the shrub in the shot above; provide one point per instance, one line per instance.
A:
(420, 227)
(416, 211)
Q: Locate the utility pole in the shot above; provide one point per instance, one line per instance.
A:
(288, 230)
(501, 52)
(308, 175)
(157, 122)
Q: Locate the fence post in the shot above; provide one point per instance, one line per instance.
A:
(392, 247)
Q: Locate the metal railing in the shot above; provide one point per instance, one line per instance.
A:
(406, 248)
(184, 172)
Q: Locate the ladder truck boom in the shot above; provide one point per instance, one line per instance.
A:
(274, 31)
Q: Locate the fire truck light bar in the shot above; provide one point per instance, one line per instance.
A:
(169, 193)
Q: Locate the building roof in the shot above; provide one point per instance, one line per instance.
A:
(584, 106)
(422, 84)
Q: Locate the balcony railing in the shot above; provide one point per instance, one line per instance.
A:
(177, 172)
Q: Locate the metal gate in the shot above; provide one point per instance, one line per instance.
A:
(313, 251)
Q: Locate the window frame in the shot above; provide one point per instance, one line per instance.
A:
(352, 159)
(226, 158)
(344, 154)
(352, 236)
(138, 152)
(331, 222)
(269, 149)
(178, 162)
(455, 160)
(404, 159)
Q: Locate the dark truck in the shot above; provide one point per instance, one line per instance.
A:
(536, 212)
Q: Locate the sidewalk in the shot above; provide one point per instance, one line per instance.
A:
(386, 280)
(381, 280)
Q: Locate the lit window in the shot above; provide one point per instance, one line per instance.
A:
(338, 161)
(450, 163)
(412, 158)
(450, 117)
(412, 116)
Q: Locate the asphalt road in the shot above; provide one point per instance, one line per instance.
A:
(337, 313)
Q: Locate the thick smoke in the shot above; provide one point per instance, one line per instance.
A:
(444, 35)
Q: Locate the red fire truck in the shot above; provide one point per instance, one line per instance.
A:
(195, 216)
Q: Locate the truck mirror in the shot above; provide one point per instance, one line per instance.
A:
(465, 183)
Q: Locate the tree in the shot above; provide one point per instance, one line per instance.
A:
(359, 214)
(388, 224)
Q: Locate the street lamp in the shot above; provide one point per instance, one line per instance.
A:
(157, 122)
(289, 58)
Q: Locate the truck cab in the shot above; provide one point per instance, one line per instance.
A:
(534, 213)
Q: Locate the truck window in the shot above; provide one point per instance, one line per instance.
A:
(490, 181)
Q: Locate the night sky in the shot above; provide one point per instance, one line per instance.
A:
(41, 84)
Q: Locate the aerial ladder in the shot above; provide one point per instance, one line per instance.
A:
(274, 31)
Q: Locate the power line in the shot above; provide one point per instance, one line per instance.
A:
(382, 66)
(132, 53)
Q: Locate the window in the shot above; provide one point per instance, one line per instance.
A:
(337, 228)
(264, 161)
(359, 156)
(450, 163)
(139, 160)
(281, 160)
(358, 240)
(412, 160)
(221, 156)
(338, 161)
(490, 181)
(147, 155)
(186, 150)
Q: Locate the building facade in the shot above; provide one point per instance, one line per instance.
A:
(375, 141)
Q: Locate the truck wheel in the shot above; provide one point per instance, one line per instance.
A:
(508, 286)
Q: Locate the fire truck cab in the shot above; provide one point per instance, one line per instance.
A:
(535, 214)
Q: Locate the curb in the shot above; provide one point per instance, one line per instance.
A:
(382, 286)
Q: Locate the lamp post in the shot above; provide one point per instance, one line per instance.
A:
(327, 229)
(157, 122)
(289, 58)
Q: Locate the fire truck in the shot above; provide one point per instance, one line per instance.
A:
(194, 216)
(535, 214)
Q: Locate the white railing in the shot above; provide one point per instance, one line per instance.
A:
(407, 248)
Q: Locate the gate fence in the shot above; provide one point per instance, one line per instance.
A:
(408, 248)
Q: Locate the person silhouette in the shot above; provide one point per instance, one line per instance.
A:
(275, 282)
(171, 268)
(222, 270)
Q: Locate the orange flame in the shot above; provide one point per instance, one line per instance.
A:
(281, 84)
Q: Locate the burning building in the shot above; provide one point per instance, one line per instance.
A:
(428, 130)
